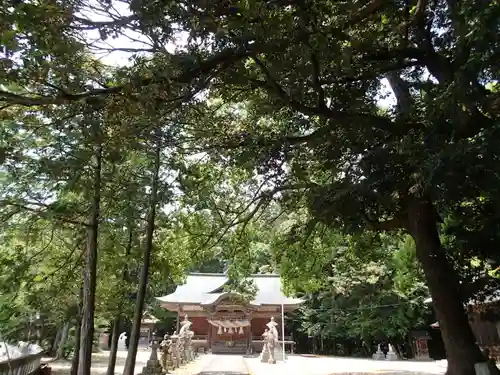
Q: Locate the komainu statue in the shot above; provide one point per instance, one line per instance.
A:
(271, 349)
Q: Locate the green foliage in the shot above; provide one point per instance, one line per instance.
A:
(265, 102)
(46, 201)
(365, 299)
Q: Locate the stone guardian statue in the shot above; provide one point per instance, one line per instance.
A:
(264, 355)
(271, 343)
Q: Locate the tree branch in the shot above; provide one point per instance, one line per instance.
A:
(367, 10)
(91, 25)
(316, 74)
(42, 213)
(189, 73)
(370, 75)
(272, 85)
(401, 91)
(386, 225)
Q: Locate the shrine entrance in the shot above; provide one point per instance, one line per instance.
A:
(224, 322)
(230, 330)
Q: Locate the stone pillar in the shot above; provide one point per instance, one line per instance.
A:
(185, 338)
(379, 354)
(176, 358)
(264, 355)
(167, 353)
(153, 366)
(391, 354)
(189, 346)
(180, 349)
(272, 347)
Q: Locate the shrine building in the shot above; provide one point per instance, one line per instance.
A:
(221, 321)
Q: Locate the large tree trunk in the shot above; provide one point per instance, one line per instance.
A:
(75, 361)
(462, 351)
(90, 273)
(114, 345)
(141, 292)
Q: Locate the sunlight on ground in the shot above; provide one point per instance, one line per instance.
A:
(300, 365)
(100, 364)
(295, 365)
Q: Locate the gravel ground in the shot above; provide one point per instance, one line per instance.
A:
(225, 365)
(297, 365)
(100, 364)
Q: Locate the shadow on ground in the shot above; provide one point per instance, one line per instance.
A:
(99, 365)
(382, 372)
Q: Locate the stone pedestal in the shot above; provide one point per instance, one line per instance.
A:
(166, 354)
(153, 366)
(143, 343)
(272, 359)
(175, 350)
(278, 352)
(264, 354)
(185, 340)
(189, 346)
(391, 354)
(379, 354)
(181, 351)
(121, 341)
(272, 350)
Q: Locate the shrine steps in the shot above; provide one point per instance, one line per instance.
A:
(223, 348)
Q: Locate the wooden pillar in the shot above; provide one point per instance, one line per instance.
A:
(249, 343)
(178, 318)
(209, 337)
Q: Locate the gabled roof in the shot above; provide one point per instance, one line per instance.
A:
(147, 318)
(206, 289)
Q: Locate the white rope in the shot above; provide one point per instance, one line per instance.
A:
(229, 323)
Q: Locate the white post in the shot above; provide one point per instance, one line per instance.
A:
(283, 329)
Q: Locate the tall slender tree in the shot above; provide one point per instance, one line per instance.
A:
(148, 249)
(90, 270)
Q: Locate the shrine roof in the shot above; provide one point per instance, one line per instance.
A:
(204, 289)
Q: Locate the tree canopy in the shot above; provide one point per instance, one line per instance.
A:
(266, 101)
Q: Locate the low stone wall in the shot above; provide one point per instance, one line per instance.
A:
(21, 365)
(197, 344)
